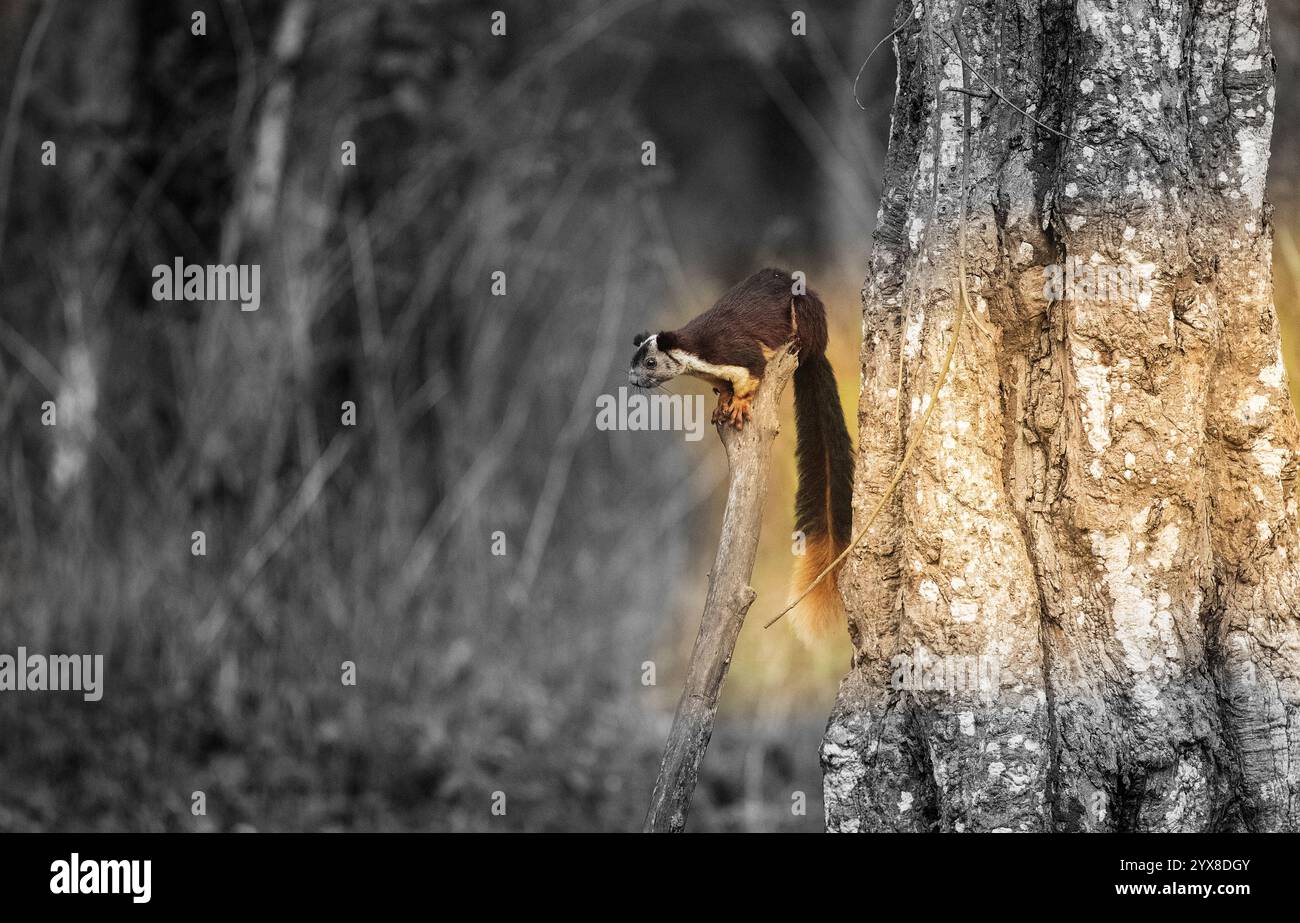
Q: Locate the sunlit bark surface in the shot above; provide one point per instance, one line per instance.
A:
(1079, 610)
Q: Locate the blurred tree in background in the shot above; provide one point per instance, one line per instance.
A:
(473, 153)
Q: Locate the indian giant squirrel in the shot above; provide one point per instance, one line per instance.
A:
(729, 346)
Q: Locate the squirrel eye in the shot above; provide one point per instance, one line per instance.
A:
(650, 363)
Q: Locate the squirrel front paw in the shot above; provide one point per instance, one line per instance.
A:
(739, 412)
(722, 413)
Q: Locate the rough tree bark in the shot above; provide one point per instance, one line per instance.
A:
(1103, 506)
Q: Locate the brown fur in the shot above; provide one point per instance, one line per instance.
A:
(729, 346)
(749, 321)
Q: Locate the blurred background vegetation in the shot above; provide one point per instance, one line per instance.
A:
(519, 673)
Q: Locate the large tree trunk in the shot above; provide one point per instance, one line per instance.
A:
(1103, 505)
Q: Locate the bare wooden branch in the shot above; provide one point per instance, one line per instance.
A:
(729, 598)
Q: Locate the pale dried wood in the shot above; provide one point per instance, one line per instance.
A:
(727, 602)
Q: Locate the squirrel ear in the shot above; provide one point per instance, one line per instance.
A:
(640, 338)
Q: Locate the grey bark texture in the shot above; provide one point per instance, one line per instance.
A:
(728, 600)
(1079, 611)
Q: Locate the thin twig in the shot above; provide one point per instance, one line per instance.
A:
(962, 309)
(1002, 96)
(898, 472)
(815, 136)
(274, 538)
(872, 53)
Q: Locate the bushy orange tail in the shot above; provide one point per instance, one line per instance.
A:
(823, 503)
(822, 609)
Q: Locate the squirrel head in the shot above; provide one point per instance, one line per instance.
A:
(653, 362)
